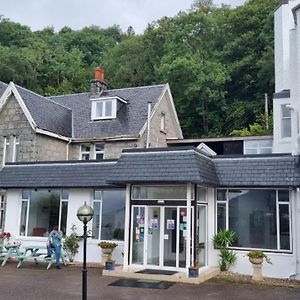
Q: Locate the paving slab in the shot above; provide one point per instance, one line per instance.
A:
(35, 283)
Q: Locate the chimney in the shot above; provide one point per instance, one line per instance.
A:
(98, 85)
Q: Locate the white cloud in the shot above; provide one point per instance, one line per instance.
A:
(76, 14)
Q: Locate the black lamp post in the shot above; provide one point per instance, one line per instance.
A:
(84, 214)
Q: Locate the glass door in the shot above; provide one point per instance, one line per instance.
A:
(138, 235)
(153, 235)
(201, 239)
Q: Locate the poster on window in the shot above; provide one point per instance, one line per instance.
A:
(170, 224)
(154, 223)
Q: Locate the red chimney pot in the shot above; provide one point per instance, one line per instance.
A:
(99, 74)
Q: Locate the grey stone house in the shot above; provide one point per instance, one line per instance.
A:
(92, 125)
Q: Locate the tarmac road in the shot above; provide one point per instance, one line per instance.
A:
(35, 282)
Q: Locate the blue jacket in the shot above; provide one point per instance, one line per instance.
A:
(55, 237)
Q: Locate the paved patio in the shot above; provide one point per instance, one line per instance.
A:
(35, 282)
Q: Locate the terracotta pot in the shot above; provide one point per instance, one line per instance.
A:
(256, 260)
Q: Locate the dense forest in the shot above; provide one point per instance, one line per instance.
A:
(218, 61)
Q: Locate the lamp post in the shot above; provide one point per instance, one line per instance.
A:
(84, 214)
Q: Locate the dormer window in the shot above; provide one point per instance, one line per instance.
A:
(105, 108)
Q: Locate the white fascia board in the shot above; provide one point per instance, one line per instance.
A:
(165, 90)
(109, 98)
(52, 134)
(11, 89)
(206, 149)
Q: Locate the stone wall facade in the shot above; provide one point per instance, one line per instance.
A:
(32, 147)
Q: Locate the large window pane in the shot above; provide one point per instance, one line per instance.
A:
(252, 215)
(221, 216)
(159, 192)
(284, 227)
(64, 215)
(43, 212)
(113, 215)
(96, 219)
(23, 217)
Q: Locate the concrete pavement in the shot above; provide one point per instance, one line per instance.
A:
(36, 283)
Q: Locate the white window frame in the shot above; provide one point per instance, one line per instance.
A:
(28, 211)
(100, 213)
(16, 142)
(284, 119)
(85, 152)
(5, 144)
(2, 211)
(278, 203)
(98, 152)
(258, 147)
(104, 116)
(163, 122)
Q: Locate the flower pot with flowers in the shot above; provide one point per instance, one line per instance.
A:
(4, 236)
(256, 257)
(107, 249)
(71, 243)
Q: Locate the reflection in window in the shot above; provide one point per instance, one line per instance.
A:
(286, 124)
(260, 218)
(41, 210)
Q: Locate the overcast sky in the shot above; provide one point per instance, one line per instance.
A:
(77, 14)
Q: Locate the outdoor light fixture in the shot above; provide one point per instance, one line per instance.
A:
(84, 214)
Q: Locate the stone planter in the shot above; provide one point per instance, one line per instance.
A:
(107, 251)
(256, 265)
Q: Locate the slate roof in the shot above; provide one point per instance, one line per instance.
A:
(258, 171)
(3, 86)
(47, 114)
(66, 174)
(130, 118)
(158, 166)
(164, 165)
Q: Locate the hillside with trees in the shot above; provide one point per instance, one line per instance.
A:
(218, 61)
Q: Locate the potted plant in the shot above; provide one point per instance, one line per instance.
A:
(256, 257)
(222, 240)
(107, 247)
(194, 270)
(71, 243)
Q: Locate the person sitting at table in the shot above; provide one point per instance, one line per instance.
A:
(54, 243)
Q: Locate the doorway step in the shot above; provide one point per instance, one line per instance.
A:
(205, 274)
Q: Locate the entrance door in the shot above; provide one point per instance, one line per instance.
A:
(159, 236)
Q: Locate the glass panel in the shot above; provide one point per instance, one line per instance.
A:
(201, 235)
(286, 112)
(153, 235)
(170, 236)
(108, 108)
(98, 195)
(85, 148)
(159, 192)
(6, 151)
(202, 194)
(182, 237)
(17, 149)
(286, 128)
(43, 212)
(113, 215)
(221, 195)
(25, 194)
(266, 143)
(85, 157)
(283, 196)
(252, 215)
(99, 109)
(251, 144)
(221, 216)
(251, 151)
(284, 227)
(138, 234)
(65, 194)
(96, 220)
(64, 214)
(265, 150)
(24, 209)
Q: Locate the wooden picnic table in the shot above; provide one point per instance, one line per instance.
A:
(38, 253)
